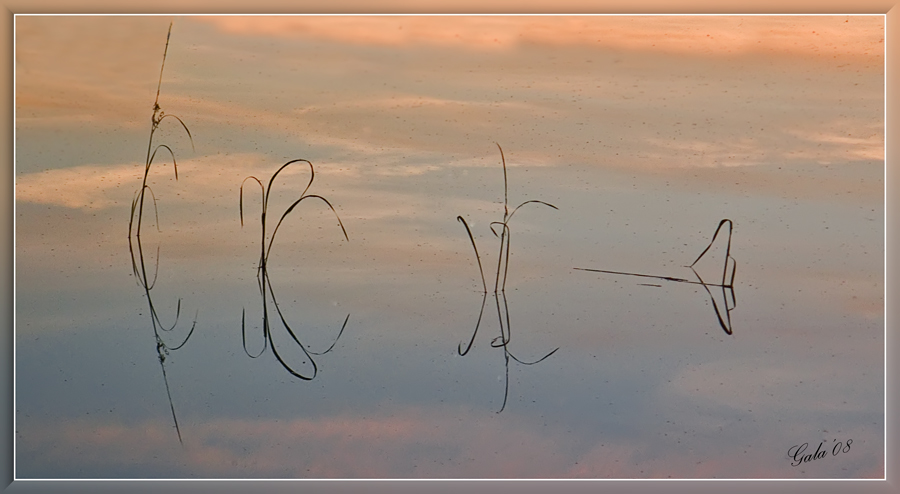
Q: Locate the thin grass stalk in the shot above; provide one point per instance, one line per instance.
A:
(135, 224)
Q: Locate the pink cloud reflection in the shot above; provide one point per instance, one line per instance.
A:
(411, 443)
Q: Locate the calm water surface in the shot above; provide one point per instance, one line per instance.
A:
(642, 150)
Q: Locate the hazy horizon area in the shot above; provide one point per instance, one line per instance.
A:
(643, 132)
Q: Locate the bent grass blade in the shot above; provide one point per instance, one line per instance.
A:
(264, 281)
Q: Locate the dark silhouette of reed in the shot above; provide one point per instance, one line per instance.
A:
(136, 248)
(264, 282)
(500, 283)
(726, 284)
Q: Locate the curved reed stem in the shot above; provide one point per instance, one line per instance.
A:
(265, 284)
(500, 277)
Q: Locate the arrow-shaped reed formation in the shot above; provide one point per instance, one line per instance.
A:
(726, 283)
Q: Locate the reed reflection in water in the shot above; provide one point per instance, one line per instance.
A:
(499, 293)
(138, 261)
(265, 284)
(726, 284)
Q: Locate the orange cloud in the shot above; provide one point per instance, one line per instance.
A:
(860, 36)
(868, 146)
(69, 69)
(82, 187)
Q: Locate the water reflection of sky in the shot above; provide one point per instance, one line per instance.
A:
(644, 132)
